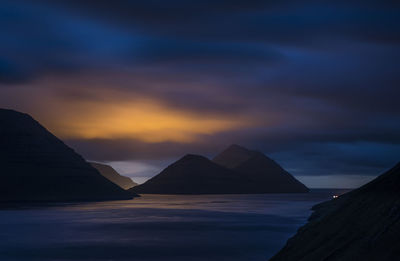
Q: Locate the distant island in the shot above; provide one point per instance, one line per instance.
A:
(111, 174)
(236, 170)
(260, 173)
(37, 166)
(363, 224)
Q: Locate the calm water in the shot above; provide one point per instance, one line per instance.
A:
(154, 227)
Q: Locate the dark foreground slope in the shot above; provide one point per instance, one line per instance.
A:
(259, 173)
(361, 225)
(192, 174)
(112, 175)
(36, 166)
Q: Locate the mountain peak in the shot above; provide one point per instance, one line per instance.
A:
(10, 111)
(236, 147)
(234, 156)
(191, 174)
(239, 148)
(193, 157)
(195, 174)
(257, 166)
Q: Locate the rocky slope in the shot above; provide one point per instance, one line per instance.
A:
(37, 166)
(112, 175)
(363, 224)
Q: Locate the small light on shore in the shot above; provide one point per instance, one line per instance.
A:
(335, 196)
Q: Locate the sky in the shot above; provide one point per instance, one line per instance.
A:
(138, 84)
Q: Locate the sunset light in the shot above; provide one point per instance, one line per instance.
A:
(147, 121)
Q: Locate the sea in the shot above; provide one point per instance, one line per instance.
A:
(157, 227)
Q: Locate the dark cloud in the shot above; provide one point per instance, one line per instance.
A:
(343, 158)
(290, 22)
(198, 53)
(43, 36)
(10, 73)
(321, 77)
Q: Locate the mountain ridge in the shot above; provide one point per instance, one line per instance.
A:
(37, 166)
(111, 174)
(195, 174)
(191, 174)
(363, 224)
(260, 168)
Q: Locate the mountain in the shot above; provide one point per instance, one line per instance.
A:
(234, 156)
(112, 175)
(234, 171)
(37, 166)
(363, 224)
(192, 174)
(260, 173)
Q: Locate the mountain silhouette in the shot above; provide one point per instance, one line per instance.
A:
(363, 224)
(37, 166)
(194, 174)
(260, 173)
(112, 175)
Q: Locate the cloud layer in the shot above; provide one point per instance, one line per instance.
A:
(315, 85)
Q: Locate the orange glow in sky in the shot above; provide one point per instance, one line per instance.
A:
(102, 113)
(147, 121)
(123, 115)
